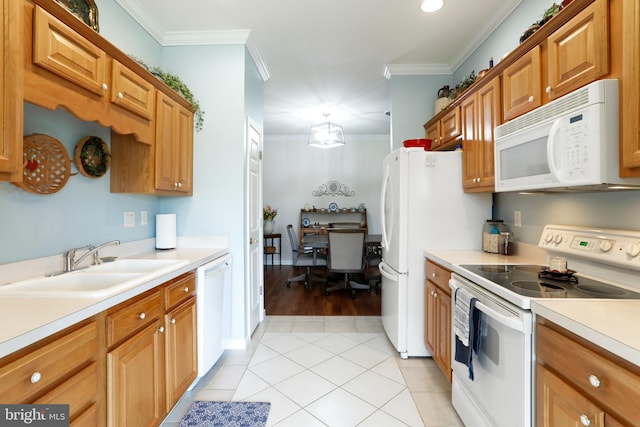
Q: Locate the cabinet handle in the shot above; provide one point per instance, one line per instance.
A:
(173, 321)
(35, 377)
(585, 420)
(161, 329)
(120, 95)
(435, 294)
(594, 381)
(531, 98)
(105, 86)
(179, 184)
(548, 89)
(434, 275)
(186, 289)
(142, 315)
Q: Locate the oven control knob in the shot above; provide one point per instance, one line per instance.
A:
(633, 250)
(606, 245)
(557, 239)
(548, 238)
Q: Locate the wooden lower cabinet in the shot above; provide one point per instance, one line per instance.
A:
(181, 350)
(66, 368)
(579, 383)
(438, 316)
(135, 370)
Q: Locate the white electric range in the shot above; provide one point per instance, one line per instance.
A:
(602, 264)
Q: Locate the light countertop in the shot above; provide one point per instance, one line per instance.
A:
(610, 324)
(25, 320)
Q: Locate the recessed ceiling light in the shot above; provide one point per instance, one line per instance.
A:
(431, 5)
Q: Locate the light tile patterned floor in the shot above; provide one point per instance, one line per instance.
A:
(327, 371)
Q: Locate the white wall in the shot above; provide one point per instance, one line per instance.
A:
(293, 170)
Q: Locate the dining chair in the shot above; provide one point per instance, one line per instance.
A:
(346, 256)
(306, 260)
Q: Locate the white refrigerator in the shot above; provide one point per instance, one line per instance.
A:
(422, 207)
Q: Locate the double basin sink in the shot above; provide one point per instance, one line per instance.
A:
(98, 281)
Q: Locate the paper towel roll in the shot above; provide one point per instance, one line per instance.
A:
(166, 236)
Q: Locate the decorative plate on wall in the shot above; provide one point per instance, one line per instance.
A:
(46, 165)
(333, 207)
(306, 222)
(92, 157)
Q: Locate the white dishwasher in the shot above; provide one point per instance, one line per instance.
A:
(213, 284)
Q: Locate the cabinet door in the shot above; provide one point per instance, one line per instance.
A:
(174, 146)
(433, 133)
(135, 390)
(521, 85)
(489, 116)
(181, 356)
(630, 88)
(431, 318)
(471, 146)
(578, 52)
(444, 334)
(11, 91)
(451, 126)
(559, 405)
(132, 92)
(65, 53)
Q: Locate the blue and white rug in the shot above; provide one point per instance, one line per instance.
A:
(226, 414)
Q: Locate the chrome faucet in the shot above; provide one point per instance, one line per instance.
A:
(70, 261)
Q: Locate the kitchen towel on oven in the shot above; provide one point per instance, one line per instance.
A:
(467, 328)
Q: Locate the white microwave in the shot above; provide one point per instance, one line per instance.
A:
(569, 144)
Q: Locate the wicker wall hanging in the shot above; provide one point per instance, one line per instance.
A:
(92, 157)
(46, 165)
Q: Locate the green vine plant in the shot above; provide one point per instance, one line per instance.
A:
(180, 87)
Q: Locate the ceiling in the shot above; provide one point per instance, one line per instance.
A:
(329, 56)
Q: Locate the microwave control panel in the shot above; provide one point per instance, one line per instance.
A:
(575, 143)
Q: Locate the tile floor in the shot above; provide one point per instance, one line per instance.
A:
(327, 371)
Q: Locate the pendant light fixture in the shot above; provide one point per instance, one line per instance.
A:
(326, 135)
(431, 5)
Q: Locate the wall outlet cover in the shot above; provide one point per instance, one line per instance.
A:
(129, 219)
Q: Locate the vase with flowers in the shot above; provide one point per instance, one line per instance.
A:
(268, 215)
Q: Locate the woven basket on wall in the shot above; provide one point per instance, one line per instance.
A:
(46, 165)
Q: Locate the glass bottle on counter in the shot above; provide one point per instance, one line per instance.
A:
(491, 235)
(506, 243)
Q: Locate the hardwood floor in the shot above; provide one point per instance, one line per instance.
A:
(296, 300)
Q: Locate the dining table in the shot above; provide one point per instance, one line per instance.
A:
(318, 242)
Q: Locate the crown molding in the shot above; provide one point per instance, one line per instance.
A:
(195, 38)
(415, 69)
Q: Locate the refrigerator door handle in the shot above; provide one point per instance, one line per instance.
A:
(389, 275)
(383, 217)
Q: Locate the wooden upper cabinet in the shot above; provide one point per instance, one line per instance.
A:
(451, 125)
(521, 85)
(481, 113)
(132, 92)
(630, 89)
(174, 146)
(11, 91)
(433, 133)
(65, 53)
(578, 52)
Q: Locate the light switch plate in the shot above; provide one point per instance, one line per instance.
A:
(129, 219)
(517, 219)
(143, 218)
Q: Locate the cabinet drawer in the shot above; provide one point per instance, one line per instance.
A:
(132, 92)
(79, 392)
(438, 275)
(131, 317)
(619, 388)
(62, 51)
(451, 125)
(42, 368)
(180, 290)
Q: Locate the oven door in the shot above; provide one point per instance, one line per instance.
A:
(501, 392)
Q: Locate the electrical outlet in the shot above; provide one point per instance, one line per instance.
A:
(517, 219)
(143, 218)
(129, 219)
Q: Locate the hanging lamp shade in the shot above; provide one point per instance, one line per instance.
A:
(326, 135)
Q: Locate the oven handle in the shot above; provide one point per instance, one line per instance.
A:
(510, 322)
